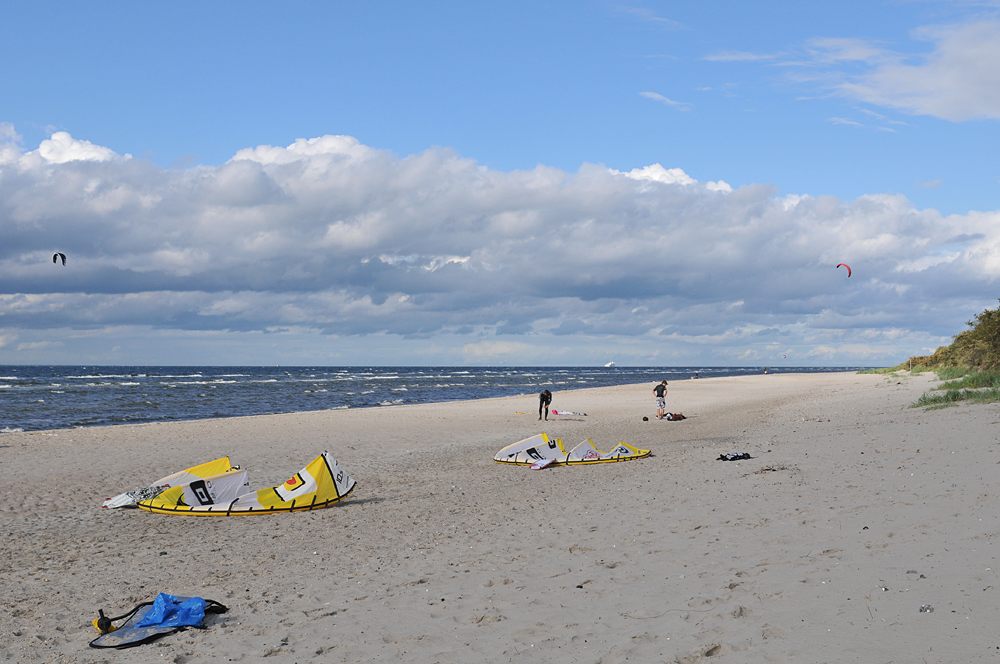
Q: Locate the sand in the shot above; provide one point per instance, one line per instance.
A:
(853, 513)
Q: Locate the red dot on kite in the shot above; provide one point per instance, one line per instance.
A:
(847, 266)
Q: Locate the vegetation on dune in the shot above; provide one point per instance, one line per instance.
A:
(971, 364)
(990, 395)
(977, 348)
(884, 370)
(973, 380)
(950, 373)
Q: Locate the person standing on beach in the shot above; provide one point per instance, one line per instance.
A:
(544, 399)
(661, 399)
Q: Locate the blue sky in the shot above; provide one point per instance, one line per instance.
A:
(509, 142)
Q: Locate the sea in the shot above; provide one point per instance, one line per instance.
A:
(34, 398)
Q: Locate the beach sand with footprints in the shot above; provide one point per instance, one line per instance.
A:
(853, 513)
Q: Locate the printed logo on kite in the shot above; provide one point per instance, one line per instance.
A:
(839, 265)
(300, 484)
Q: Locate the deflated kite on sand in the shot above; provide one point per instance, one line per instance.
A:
(227, 493)
(193, 474)
(542, 451)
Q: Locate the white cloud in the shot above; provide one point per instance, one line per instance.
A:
(959, 80)
(61, 148)
(9, 140)
(39, 345)
(657, 173)
(845, 121)
(841, 50)
(332, 238)
(679, 105)
(7, 133)
(720, 185)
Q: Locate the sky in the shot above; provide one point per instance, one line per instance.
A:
(521, 183)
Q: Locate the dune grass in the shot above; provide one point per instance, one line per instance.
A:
(973, 380)
(951, 397)
(966, 384)
(950, 373)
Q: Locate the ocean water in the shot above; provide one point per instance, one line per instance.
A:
(59, 397)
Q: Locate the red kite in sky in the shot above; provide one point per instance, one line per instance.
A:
(847, 266)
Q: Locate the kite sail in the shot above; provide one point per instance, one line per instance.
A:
(539, 449)
(193, 474)
(839, 265)
(587, 452)
(530, 450)
(566, 412)
(320, 484)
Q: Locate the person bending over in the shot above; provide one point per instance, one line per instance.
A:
(544, 399)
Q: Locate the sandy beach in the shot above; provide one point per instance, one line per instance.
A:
(854, 512)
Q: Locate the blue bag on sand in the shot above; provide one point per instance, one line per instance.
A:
(149, 621)
(171, 611)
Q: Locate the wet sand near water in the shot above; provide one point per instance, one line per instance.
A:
(853, 513)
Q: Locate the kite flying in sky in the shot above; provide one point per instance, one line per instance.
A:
(847, 266)
(56, 256)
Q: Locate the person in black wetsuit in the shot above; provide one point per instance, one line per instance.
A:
(544, 399)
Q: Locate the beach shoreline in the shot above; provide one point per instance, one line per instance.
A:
(440, 554)
(39, 398)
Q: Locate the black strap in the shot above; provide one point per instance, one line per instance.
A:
(211, 606)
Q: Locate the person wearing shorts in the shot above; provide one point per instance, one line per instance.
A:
(660, 391)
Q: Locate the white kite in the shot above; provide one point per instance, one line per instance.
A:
(541, 451)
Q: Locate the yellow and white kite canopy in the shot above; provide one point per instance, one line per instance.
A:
(320, 484)
(532, 450)
(587, 452)
(541, 450)
(186, 476)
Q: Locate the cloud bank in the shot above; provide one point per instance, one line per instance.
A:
(336, 240)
